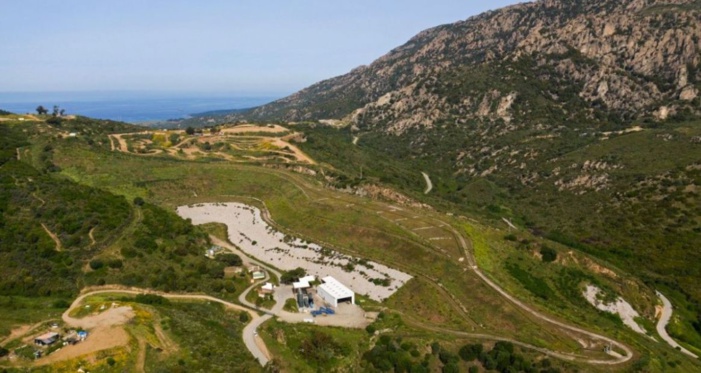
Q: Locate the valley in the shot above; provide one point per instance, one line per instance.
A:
(467, 283)
(514, 192)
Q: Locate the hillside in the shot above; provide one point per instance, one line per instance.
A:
(576, 120)
(546, 61)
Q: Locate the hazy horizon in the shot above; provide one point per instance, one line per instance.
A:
(207, 48)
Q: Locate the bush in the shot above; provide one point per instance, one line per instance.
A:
(151, 299)
(447, 357)
(244, 317)
(115, 263)
(451, 368)
(61, 303)
(293, 275)
(96, 264)
(470, 352)
(110, 361)
(230, 259)
(138, 201)
(371, 329)
(549, 255)
(54, 121)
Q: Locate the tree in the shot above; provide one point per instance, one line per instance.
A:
(56, 111)
(292, 276)
(174, 138)
(54, 121)
(470, 352)
(41, 110)
(62, 112)
(230, 259)
(190, 131)
(138, 201)
(548, 254)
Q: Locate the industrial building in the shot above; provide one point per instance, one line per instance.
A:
(334, 292)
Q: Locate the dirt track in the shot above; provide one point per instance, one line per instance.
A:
(53, 236)
(665, 316)
(616, 359)
(429, 184)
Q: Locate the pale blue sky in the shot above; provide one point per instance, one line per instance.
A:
(248, 47)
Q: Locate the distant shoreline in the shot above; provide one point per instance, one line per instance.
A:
(139, 109)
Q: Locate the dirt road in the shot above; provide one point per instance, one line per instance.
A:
(617, 359)
(429, 184)
(53, 236)
(250, 333)
(662, 326)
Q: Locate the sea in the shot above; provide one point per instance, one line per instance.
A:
(130, 107)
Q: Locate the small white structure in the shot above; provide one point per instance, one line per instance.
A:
(72, 134)
(268, 287)
(310, 278)
(301, 285)
(334, 292)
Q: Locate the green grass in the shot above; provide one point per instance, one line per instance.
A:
(300, 206)
(17, 311)
(285, 341)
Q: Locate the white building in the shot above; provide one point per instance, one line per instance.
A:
(334, 292)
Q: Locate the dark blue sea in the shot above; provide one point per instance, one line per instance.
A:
(130, 107)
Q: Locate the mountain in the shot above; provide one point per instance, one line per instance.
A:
(575, 119)
(631, 59)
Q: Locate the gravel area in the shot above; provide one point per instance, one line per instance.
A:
(248, 230)
(619, 306)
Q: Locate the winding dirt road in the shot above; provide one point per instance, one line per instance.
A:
(662, 326)
(617, 359)
(250, 332)
(429, 184)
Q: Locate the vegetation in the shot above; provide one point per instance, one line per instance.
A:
(230, 259)
(289, 277)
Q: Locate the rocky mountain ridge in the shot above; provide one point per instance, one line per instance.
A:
(632, 59)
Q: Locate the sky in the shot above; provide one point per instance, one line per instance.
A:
(248, 47)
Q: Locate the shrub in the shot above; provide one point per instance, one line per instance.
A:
(244, 317)
(230, 259)
(96, 264)
(138, 201)
(151, 299)
(371, 329)
(549, 255)
(292, 276)
(470, 352)
(110, 361)
(115, 263)
(61, 303)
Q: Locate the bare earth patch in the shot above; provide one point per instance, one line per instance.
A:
(101, 338)
(619, 306)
